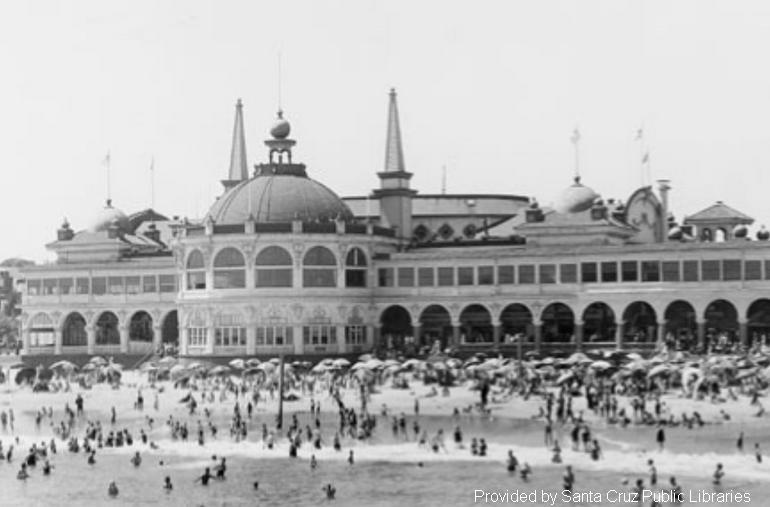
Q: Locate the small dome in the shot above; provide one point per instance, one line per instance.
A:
(740, 231)
(576, 198)
(109, 216)
(763, 234)
(281, 128)
(675, 233)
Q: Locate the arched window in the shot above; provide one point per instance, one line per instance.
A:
(229, 269)
(319, 268)
(41, 331)
(273, 268)
(355, 268)
(107, 329)
(196, 271)
(140, 328)
(74, 331)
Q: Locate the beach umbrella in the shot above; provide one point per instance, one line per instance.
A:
(472, 360)
(276, 361)
(578, 358)
(392, 362)
(374, 364)
(25, 375)
(238, 364)
(98, 360)
(358, 366)
(321, 368)
(658, 370)
(678, 357)
(634, 356)
(219, 370)
(453, 362)
(253, 362)
(148, 367)
(365, 357)
(412, 363)
(116, 366)
(267, 367)
(167, 361)
(252, 371)
(600, 365)
(63, 365)
(89, 367)
(746, 373)
(177, 369)
(341, 362)
(565, 377)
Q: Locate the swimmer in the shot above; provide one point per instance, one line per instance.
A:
(718, 474)
(204, 479)
(22, 474)
(47, 468)
(313, 462)
(512, 462)
(256, 485)
(112, 489)
(330, 491)
(92, 458)
(525, 471)
(136, 460)
(757, 453)
(350, 457)
(221, 470)
(167, 484)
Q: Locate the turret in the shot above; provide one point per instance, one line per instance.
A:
(239, 169)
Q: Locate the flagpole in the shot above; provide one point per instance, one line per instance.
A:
(152, 183)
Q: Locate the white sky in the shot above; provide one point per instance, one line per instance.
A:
(491, 89)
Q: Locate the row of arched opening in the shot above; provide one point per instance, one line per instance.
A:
(639, 322)
(274, 268)
(107, 332)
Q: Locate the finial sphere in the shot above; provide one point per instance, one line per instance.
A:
(281, 128)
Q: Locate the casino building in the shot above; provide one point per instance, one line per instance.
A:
(281, 264)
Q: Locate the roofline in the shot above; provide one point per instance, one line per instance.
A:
(507, 197)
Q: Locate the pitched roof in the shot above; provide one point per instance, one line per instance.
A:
(719, 212)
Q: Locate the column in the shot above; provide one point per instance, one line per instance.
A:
(183, 340)
(743, 333)
(619, 337)
(123, 339)
(417, 334)
(497, 328)
(662, 332)
(90, 339)
(377, 337)
(701, 333)
(251, 339)
(579, 336)
(370, 338)
(57, 341)
(210, 332)
(538, 336)
(25, 340)
(455, 333)
(157, 337)
(299, 340)
(341, 339)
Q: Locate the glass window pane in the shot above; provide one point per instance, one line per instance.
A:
(273, 256)
(526, 274)
(50, 286)
(465, 276)
(133, 284)
(99, 285)
(229, 278)
(385, 277)
(731, 269)
(767, 270)
(650, 271)
(355, 278)
(83, 285)
(671, 271)
(425, 277)
(486, 275)
(149, 284)
(548, 273)
(588, 272)
(630, 271)
(568, 273)
(609, 271)
(167, 283)
(278, 277)
(752, 270)
(710, 271)
(65, 285)
(33, 287)
(319, 277)
(319, 256)
(446, 277)
(505, 275)
(406, 277)
(690, 271)
(196, 280)
(115, 284)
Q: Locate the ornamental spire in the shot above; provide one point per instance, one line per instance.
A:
(238, 165)
(394, 151)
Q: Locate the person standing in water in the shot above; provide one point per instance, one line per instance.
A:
(661, 438)
(112, 489)
(757, 453)
(350, 457)
(204, 479)
(739, 444)
(718, 474)
(167, 484)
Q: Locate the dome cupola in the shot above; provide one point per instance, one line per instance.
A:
(576, 198)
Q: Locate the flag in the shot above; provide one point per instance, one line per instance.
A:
(575, 136)
(639, 134)
(646, 158)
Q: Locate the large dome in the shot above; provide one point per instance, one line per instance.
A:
(575, 198)
(279, 198)
(107, 217)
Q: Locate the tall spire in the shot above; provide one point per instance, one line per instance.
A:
(238, 166)
(394, 151)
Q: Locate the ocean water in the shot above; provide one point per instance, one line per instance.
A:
(387, 469)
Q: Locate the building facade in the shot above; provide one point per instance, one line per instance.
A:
(281, 264)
